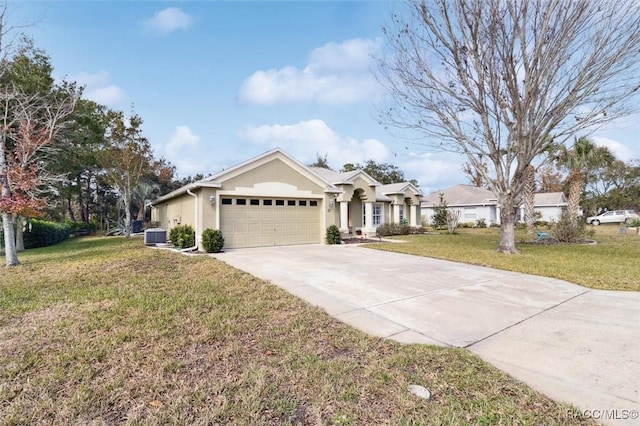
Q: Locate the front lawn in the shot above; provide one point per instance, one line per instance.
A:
(611, 264)
(105, 331)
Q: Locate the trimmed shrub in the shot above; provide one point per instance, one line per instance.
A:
(568, 230)
(480, 223)
(542, 224)
(41, 233)
(453, 217)
(333, 235)
(84, 228)
(635, 223)
(182, 236)
(388, 229)
(212, 240)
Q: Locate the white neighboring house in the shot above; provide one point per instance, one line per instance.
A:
(478, 203)
(549, 204)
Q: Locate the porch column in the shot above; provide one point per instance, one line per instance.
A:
(368, 215)
(344, 216)
(396, 213)
(414, 216)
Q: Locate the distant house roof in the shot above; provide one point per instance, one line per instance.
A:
(467, 195)
(461, 195)
(549, 199)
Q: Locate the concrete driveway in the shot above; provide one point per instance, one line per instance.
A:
(574, 344)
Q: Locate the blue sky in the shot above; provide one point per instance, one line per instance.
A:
(219, 82)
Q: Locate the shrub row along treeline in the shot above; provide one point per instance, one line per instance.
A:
(42, 233)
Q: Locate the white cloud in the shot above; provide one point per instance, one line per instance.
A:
(622, 152)
(183, 150)
(433, 171)
(98, 88)
(167, 20)
(307, 139)
(183, 137)
(354, 54)
(335, 73)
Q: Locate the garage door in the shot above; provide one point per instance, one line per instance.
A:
(259, 222)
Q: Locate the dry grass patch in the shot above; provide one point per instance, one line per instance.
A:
(611, 264)
(104, 331)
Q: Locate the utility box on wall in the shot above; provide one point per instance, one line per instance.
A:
(155, 236)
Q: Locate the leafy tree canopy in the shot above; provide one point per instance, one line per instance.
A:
(385, 173)
(320, 162)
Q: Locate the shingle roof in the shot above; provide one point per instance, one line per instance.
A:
(461, 195)
(394, 187)
(331, 175)
(380, 195)
(467, 195)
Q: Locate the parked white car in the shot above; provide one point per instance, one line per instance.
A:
(613, 216)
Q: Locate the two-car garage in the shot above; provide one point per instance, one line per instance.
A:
(269, 200)
(269, 221)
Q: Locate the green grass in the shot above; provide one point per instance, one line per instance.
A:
(611, 264)
(105, 331)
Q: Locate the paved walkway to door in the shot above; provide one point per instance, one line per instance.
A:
(569, 342)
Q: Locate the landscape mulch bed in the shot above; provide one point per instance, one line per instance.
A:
(358, 240)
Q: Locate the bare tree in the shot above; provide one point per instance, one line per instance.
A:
(29, 125)
(550, 178)
(499, 81)
(475, 178)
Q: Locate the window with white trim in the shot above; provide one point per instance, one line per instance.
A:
(470, 213)
(364, 215)
(401, 212)
(377, 214)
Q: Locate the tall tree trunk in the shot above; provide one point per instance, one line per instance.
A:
(575, 191)
(10, 251)
(141, 211)
(11, 255)
(72, 215)
(85, 207)
(507, 243)
(80, 197)
(529, 193)
(19, 221)
(127, 218)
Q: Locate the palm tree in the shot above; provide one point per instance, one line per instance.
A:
(142, 193)
(577, 161)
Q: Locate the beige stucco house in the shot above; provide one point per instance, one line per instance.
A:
(273, 199)
(478, 203)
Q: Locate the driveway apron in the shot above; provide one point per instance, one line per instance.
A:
(574, 344)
